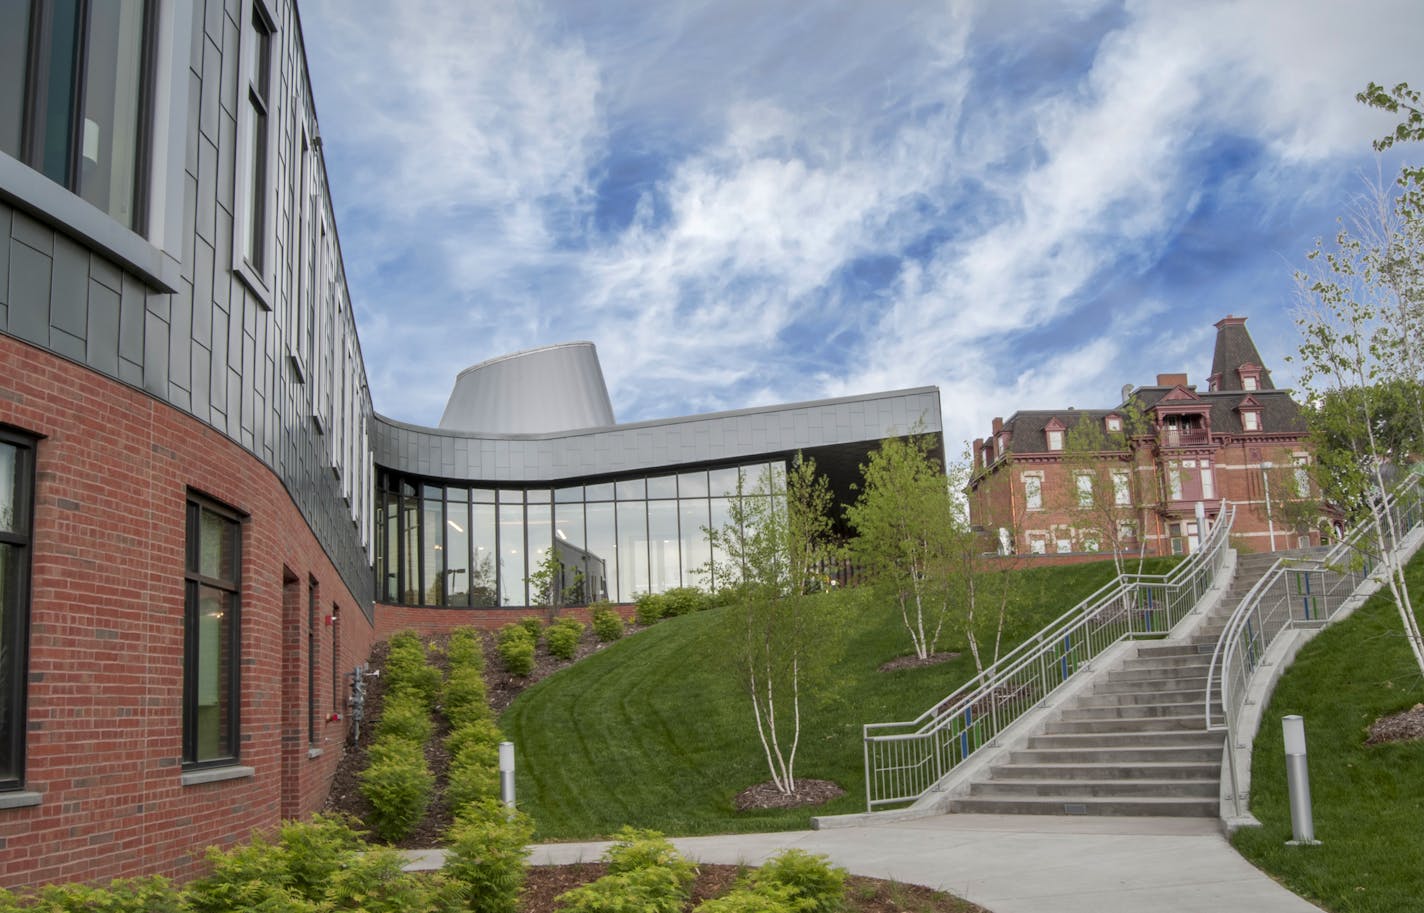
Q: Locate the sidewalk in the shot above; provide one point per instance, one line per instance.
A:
(1018, 863)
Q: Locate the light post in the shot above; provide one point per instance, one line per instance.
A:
(1266, 486)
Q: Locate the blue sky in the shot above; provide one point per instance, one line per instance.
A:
(1027, 204)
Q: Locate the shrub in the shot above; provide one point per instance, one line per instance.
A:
(746, 900)
(375, 882)
(635, 848)
(482, 732)
(473, 775)
(487, 848)
(684, 600)
(643, 890)
(404, 716)
(533, 625)
(650, 608)
(563, 638)
(124, 895)
(465, 650)
(249, 877)
(315, 850)
(517, 652)
(607, 624)
(423, 682)
(466, 699)
(397, 783)
(814, 885)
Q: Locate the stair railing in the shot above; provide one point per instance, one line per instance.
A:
(1295, 593)
(905, 760)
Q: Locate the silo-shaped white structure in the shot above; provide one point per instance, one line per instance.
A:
(537, 391)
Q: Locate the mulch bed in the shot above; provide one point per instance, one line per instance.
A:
(767, 795)
(914, 662)
(1405, 726)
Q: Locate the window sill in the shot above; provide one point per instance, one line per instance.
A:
(70, 214)
(314, 753)
(217, 774)
(255, 282)
(21, 799)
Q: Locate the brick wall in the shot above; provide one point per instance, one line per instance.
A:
(113, 471)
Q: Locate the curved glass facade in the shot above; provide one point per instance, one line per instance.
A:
(472, 546)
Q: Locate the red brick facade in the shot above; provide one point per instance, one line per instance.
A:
(114, 468)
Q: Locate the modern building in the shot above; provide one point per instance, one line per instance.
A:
(1145, 475)
(203, 524)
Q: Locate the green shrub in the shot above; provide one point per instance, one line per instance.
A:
(563, 638)
(473, 775)
(465, 649)
(746, 900)
(517, 652)
(487, 849)
(481, 732)
(684, 600)
(253, 876)
(607, 624)
(635, 848)
(643, 890)
(404, 716)
(651, 607)
(424, 682)
(533, 625)
(812, 883)
(466, 698)
(123, 895)
(397, 783)
(315, 850)
(375, 882)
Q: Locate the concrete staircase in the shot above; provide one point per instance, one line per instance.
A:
(1135, 744)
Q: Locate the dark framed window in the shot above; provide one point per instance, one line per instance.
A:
(75, 87)
(313, 658)
(212, 634)
(252, 231)
(16, 532)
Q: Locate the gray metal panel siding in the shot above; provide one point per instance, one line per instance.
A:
(211, 349)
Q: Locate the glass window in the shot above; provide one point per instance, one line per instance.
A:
(539, 530)
(313, 658)
(1033, 492)
(665, 568)
(692, 484)
(724, 481)
(16, 497)
(603, 491)
(73, 81)
(573, 557)
(391, 583)
(410, 551)
(211, 635)
(537, 496)
(662, 487)
(457, 550)
(432, 578)
(632, 489)
(1084, 481)
(602, 550)
(696, 552)
(1122, 491)
(482, 496)
(511, 554)
(632, 549)
(255, 127)
(484, 581)
(720, 517)
(572, 495)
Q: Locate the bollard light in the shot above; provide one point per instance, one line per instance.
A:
(506, 773)
(1298, 782)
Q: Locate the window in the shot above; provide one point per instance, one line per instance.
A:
(1122, 490)
(1300, 464)
(1248, 382)
(313, 659)
(211, 634)
(1084, 483)
(74, 86)
(1033, 491)
(1114, 423)
(1251, 421)
(1055, 440)
(16, 503)
(252, 229)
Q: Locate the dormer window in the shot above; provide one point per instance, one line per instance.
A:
(1250, 375)
(1248, 383)
(1114, 423)
(1054, 432)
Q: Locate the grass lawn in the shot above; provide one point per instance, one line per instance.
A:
(1368, 800)
(654, 732)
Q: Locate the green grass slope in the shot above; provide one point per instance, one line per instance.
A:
(654, 731)
(1368, 800)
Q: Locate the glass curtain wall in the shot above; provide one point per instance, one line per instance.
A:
(463, 547)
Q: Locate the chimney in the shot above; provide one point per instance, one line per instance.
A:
(998, 424)
(978, 453)
(1171, 380)
(1126, 391)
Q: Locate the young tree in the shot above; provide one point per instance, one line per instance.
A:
(1105, 489)
(1361, 317)
(980, 580)
(906, 529)
(776, 625)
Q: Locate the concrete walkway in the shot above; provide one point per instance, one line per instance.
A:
(1017, 863)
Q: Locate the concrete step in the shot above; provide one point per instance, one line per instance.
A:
(1109, 740)
(1173, 788)
(1150, 726)
(1186, 661)
(1111, 770)
(1190, 674)
(1141, 755)
(1134, 711)
(1121, 698)
(1141, 806)
(1186, 648)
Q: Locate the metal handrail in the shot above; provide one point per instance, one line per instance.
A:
(1296, 593)
(904, 760)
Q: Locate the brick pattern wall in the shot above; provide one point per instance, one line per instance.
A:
(113, 471)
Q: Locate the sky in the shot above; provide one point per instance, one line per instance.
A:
(1025, 204)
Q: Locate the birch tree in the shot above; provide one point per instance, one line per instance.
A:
(1105, 489)
(776, 627)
